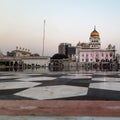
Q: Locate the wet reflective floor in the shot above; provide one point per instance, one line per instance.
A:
(61, 85)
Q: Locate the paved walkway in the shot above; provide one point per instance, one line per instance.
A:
(55, 118)
(60, 108)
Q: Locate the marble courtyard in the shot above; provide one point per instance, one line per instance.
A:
(94, 85)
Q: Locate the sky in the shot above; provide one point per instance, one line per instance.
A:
(71, 21)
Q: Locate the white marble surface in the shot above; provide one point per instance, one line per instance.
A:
(56, 73)
(105, 73)
(107, 79)
(27, 74)
(14, 85)
(118, 74)
(19, 75)
(37, 79)
(52, 92)
(106, 86)
(80, 74)
(8, 77)
(76, 76)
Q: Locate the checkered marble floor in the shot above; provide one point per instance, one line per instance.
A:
(60, 86)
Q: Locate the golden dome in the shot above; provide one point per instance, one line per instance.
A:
(94, 33)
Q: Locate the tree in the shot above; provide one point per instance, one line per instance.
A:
(59, 56)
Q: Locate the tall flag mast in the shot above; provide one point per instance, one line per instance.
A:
(43, 37)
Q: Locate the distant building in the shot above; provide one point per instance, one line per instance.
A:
(42, 61)
(67, 49)
(63, 48)
(24, 56)
(72, 53)
(91, 52)
(118, 59)
(19, 52)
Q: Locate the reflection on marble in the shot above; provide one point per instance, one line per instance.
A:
(118, 74)
(76, 76)
(37, 79)
(80, 74)
(19, 75)
(107, 79)
(52, 92)
(8, 77)
(27, 74)
(65, 85)
(106, 85)
(56, 73)
(105, 73)
(16, 85)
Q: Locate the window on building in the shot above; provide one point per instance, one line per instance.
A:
(82, 55)
(87, 60)
(97, 60)
(111, 60)
(102, 54)
(111, 55)
(82, 60)
(106, 55)
(97, 55)
(107, 60)
(91, 60)
(86, 55)
(102, 60)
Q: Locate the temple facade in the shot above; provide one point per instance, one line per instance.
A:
(91, 52)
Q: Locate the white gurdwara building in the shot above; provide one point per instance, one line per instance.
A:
(92, 53)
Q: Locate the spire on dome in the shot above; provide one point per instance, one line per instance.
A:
(94, 33)
(94, 27)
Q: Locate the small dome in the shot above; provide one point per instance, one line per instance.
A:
(1, 55)
(78, 44)
(109, 46)
(94, 33)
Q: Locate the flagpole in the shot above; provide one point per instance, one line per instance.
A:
(43, 37)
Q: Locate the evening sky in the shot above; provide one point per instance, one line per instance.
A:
(21, 23)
